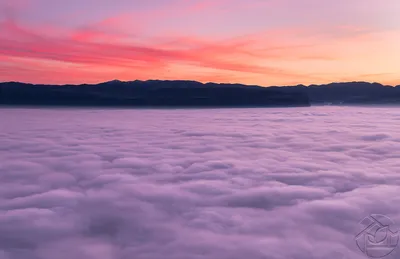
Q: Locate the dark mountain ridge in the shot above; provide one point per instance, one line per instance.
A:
(180, 93)
(151, 93)
(350, 93)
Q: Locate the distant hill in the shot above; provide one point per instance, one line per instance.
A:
(178, 93)
(151, 93)
(349, 93)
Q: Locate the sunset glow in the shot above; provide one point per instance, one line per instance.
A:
(265, 42)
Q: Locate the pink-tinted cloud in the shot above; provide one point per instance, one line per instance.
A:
(92, 184)
(274, 40)
(81, 48)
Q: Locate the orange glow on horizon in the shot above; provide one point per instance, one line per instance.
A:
(117, 47)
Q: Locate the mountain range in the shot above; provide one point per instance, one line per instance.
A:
(179, 93)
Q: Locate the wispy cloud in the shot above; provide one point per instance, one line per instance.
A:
(100, 48)
(279, 41)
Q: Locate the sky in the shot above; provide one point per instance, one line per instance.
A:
(264, 42)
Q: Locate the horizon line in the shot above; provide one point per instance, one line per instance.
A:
(204, 83)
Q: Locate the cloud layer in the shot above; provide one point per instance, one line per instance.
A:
(150, 184)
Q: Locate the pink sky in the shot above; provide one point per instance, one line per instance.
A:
(265, 42)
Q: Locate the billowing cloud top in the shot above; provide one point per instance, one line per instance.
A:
(148, 184)
(274, 42)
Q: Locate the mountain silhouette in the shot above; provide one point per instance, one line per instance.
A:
(349, 93)
(151, 93)
(179, 93)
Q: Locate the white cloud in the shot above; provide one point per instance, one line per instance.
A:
(229, 183)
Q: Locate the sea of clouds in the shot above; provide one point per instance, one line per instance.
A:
(182, 184)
